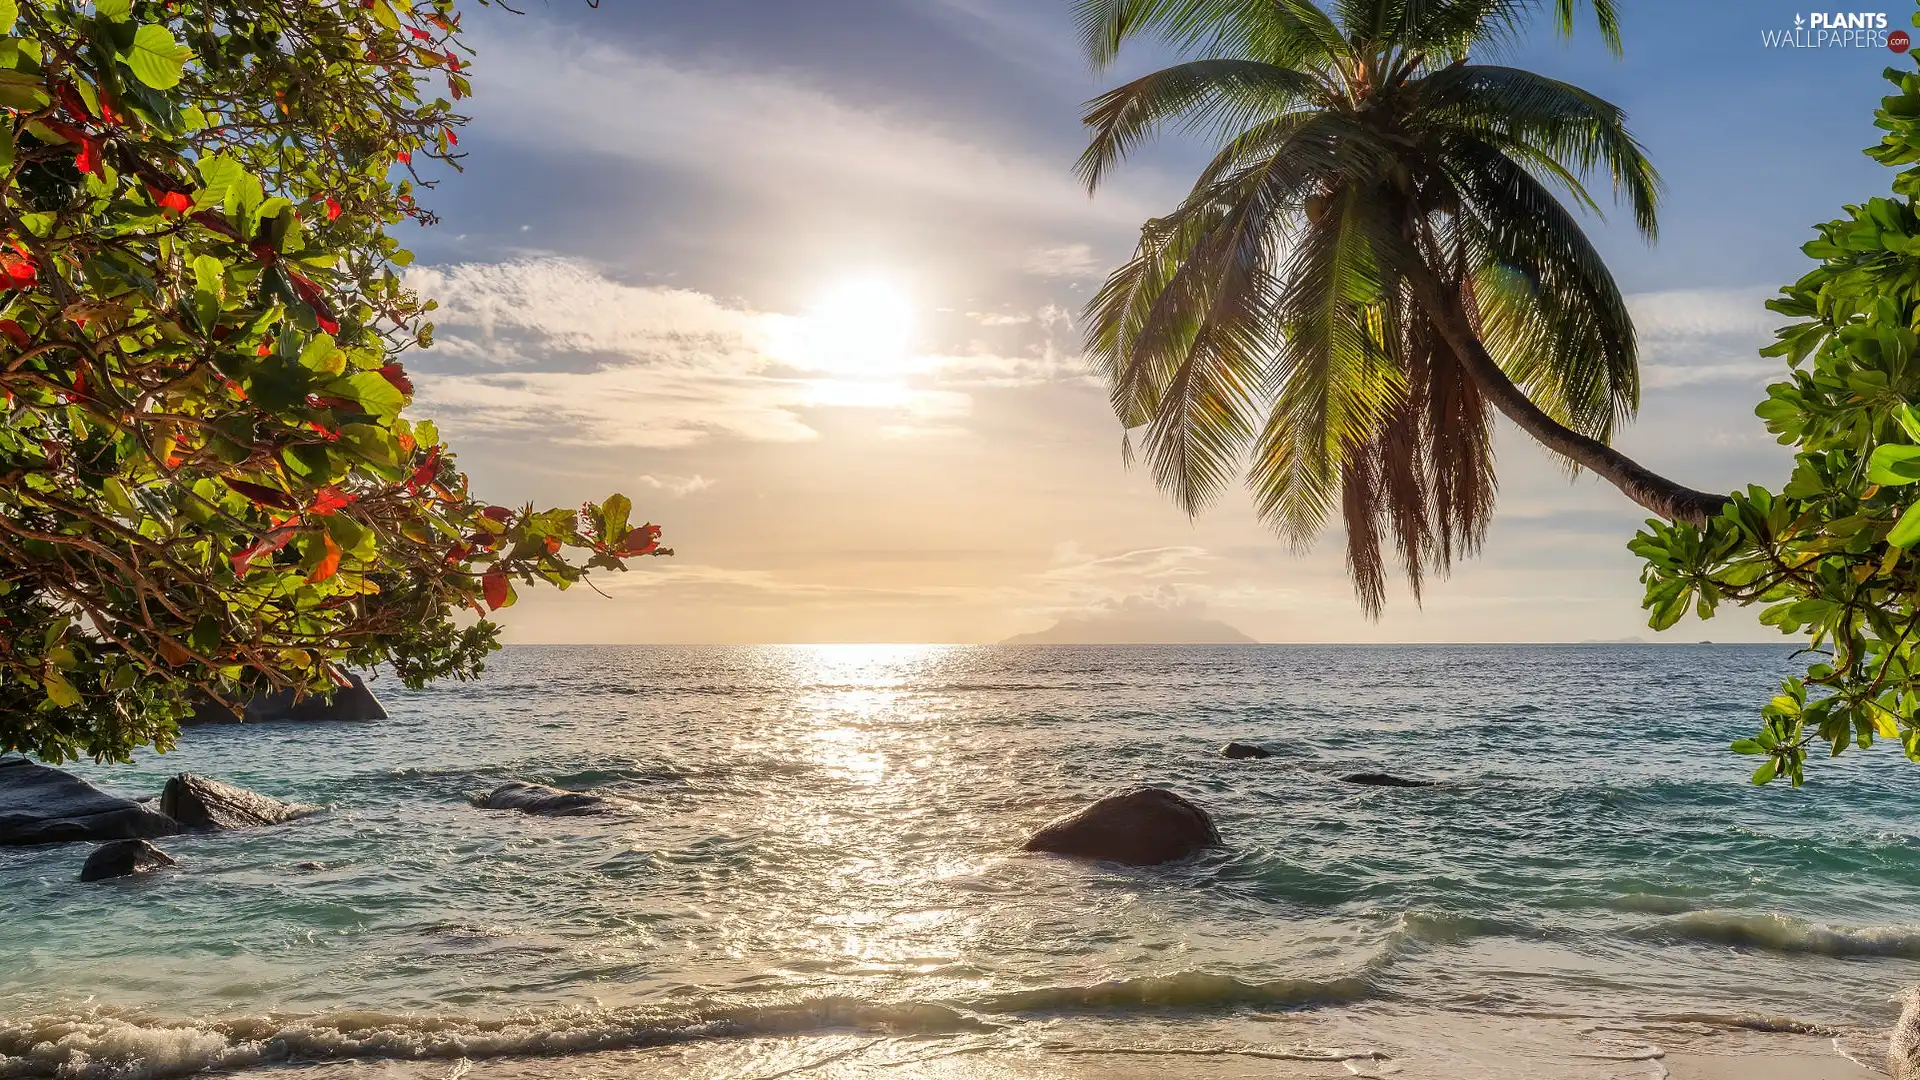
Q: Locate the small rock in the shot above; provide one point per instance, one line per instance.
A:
(1241, 751)
(551, 801)
(1142, 827)
(1380, 779)
(199, 803)
(310, 865)
(123, 858)
(42, 805)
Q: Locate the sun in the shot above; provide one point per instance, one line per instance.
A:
(860, 327)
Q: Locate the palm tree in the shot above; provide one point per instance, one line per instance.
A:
(1377, 257)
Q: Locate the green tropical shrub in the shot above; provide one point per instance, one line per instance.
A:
(1831, 554)
(209, 483)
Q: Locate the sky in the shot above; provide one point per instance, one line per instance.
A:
(804, 281)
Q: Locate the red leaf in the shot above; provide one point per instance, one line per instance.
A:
(175, 202)
(87, 160)
(70, 101)
(264, 496)
(406, 442)
(266, 545)
(405, 157)
(494, 582)
(311, 294)
(452, 139)
(644, 540)
(553, 545)
(331, 500)
(419, 34)
(497, 513)
(397, 375)
(265, 349)
(333, 209)
(329, 562)
(427, 472)
(18, 267)
(217, 223)
(15, 333)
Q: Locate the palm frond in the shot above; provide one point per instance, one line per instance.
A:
(1227, 96)
(1546, 119)
(1551, 311)
(1333, 378)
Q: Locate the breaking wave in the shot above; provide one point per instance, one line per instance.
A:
(1786, 934)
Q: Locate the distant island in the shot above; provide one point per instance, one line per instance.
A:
(1134, 626)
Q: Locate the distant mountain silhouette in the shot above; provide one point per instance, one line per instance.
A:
(1134, 626)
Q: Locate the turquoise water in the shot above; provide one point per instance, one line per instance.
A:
(827, 842)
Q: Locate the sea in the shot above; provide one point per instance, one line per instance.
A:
(821, 875)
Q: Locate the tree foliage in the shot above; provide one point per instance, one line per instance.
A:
(1384, 251)
(1831, 554)
(209, 483)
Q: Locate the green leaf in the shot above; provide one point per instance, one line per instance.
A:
(156, 58)
(375, 394)
(1748, 746)
(1907, 530)
(322, 356)
(59, 690)
(1909, 419)
(209, 288)
(1766, 771)
(1894, 464)
(110, 10)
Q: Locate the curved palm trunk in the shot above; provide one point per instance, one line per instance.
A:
(1675, 502)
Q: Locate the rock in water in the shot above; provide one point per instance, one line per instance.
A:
(1241, 751)
(1903, 1052)
(199, 803)
(1380, 779)
(353, 702)
(552, 801)
(1143, 827)
(123, 858)
(39, 805)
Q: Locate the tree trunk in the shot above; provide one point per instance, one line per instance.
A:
(1675, 502)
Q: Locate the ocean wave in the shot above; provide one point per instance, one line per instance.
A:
(107, 1044)
(1773, 1025)
(1787, 934)
(1182, 990)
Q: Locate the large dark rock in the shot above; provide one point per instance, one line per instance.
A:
(199, 803)
(353, 702)
(1143, 827)
(39, 805)
(1241, 751)
(551, 801)
(123, 858)
(1380, 779)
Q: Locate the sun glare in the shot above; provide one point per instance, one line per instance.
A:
(859, 327)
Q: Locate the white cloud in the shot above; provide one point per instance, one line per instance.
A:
(550, 348)
(1066, 261)
(677, 485)
(1693, 336)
